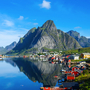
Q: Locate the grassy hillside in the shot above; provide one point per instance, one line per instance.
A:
(79, 51)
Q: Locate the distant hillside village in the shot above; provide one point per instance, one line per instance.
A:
(55, 56)
(59, 56)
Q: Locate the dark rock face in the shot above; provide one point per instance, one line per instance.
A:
(47, 36)
(83, 41)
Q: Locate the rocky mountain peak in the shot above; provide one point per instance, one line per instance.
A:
(49, 24)
(45, 38)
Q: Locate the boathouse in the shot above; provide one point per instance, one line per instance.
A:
(74, 57)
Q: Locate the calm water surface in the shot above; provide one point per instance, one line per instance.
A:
(26, 74)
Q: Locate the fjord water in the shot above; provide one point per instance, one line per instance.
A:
(26, 74)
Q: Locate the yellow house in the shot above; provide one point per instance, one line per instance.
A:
(85, 55)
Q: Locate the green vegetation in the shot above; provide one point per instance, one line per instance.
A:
(79, 51)
(33, 30)
(84, 78)
(79, 60)
(50, 50)
(22, 52)
(21, 40)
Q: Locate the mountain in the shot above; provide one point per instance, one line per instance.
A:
(83, 41)
(2, 50)
(74, 34)
(46, 36)
(7, 48)
(11, 46)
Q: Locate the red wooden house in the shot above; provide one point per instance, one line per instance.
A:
(75, 68)
(45, 88)
(54, 88)
(69, 66)
(76, 73)
(67, 60)
(70, 77)
(67, 56)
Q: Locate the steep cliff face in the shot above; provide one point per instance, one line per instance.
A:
(46, 36)
(83, 41)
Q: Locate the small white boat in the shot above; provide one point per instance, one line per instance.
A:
(62, 70)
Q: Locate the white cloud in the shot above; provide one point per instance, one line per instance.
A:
(8, 23)
(35, 23)
(45, 4)
(77, 27)
(21, 18)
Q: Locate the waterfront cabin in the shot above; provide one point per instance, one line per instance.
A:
(45, 88)
(68, 56)
(42, 56)
(76, 73)
(67, 60)
(75, 68)
(0, 57)
(70, 77)
(82, 63)
(74, 57)
(85, 55)
(53, 88)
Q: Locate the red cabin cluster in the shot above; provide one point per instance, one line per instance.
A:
(71, 74)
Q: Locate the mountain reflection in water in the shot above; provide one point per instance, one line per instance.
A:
(43, 72)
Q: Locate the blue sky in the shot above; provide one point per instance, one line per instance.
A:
(19, 16)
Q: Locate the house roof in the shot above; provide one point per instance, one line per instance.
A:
(75, 55)
(74, 85)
